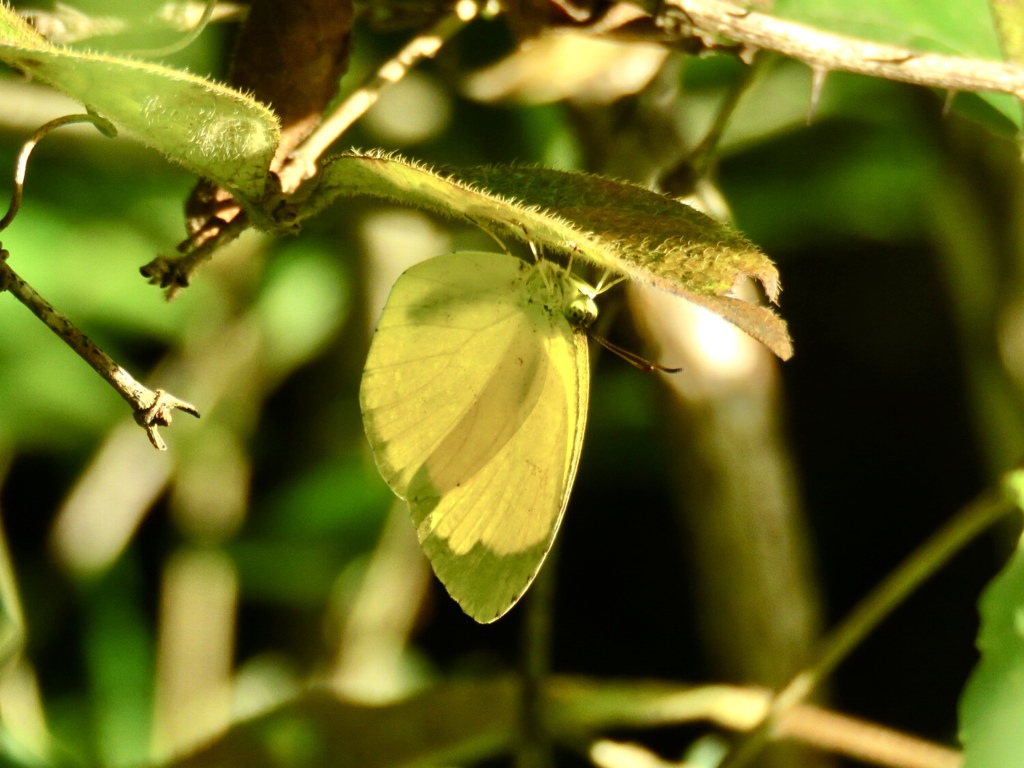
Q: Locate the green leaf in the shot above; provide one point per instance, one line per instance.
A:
(1009, 18)
(14, 30)
(956, 27)
(213, 131)
(618, 226)
(992, 705)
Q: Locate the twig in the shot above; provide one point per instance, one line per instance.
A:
(681, 179)
(152, 408)
(873, 609)
(581, 710)
(173, 272)
(825, 52)
(301, 164)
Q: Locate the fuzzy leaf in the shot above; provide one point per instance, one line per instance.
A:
(622, 227)
(213, 131)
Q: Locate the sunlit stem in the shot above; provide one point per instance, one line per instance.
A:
(301, 165)
(873, 609)
(173, 273)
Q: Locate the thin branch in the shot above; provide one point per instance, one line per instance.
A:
(582, 710)
(152, 409)
(878, 605)
(173, 272)
(824, 51)
(301, 164)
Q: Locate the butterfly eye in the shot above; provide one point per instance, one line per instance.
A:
(581, 311)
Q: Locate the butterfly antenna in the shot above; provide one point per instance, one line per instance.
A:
(637, 361)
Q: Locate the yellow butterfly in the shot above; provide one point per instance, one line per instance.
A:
(474, 400)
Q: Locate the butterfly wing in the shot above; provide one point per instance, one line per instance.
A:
(474, 399)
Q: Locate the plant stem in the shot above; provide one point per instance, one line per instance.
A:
(152, 409)
(873, 609)
(825, 52)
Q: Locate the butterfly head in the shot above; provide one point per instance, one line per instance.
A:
(581, 311)
(567, 294)
(580, 308)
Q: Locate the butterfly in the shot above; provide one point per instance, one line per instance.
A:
(474, 400)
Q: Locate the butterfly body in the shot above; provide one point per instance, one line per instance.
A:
(474, 399)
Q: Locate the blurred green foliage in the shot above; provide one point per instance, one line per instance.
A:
(895, 231)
